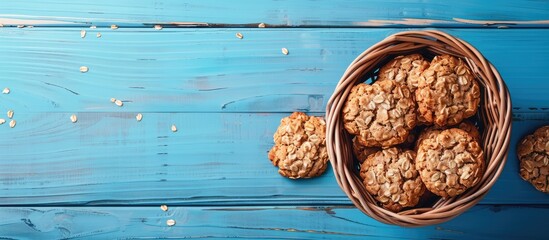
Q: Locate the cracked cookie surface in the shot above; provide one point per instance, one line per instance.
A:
(449, 162)
(392, 179)
(381, 114)
(447, 92)
(300, 146)
(533, 153)
(404, 69)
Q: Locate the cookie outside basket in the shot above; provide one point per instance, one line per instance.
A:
(494, 112)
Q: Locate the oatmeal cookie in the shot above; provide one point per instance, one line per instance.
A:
(405, 70)
(447, 92)
(533, 153)
(392, 179)
(449, 162)
(381, 114)
(300, 146)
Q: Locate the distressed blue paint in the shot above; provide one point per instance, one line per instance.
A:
(108, 173)
(481, 222)
(210, 70)
(342, 13)
(213, 159)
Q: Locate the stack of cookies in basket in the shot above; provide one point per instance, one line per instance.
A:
(416, 97)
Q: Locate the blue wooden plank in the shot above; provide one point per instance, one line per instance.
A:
(213, 159)
(110, 158)
(481, 222)
(343, 13)
(210, 70)
(226, 96)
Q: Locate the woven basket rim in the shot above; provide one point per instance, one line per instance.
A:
(495, 113)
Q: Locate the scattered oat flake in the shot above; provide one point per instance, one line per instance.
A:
(6, 91)
(285, 51)
(74, 118)
(84, 69)
(98, 35)
(170, 222)
(118, 103)
(2, 121)
(158, 27)
(261, 25)
(114, 27)
(174, 128)
(12, 123)
(239, 35)
(138, 117)
(10, 113)
(164, 208)
(83, 33)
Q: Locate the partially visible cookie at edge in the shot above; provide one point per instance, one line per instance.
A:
(381, 114)
(533, 153)
(300, 146)
(447, 92)
(392, 179)
(404, 69)
(450, 162)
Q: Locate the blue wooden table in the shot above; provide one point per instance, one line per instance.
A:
(106, 176)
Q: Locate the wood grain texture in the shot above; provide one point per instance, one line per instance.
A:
(213, 159)
(211, 70)
(301, 13)
(481, 222)
(105, 176)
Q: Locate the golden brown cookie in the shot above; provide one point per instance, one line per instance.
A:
(533, 153)
(300, 146)
(392, 179)
(405, 70)
(450, 162)
(447, 92)
(381, 114)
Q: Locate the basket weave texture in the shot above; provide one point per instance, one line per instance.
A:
(494, 114)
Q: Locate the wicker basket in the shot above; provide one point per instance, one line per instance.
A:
(494, 114)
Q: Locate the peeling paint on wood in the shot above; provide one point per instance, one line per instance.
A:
(512, 222)
(495, 22)
(275, 13)
(6, 22)
(405, 21)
